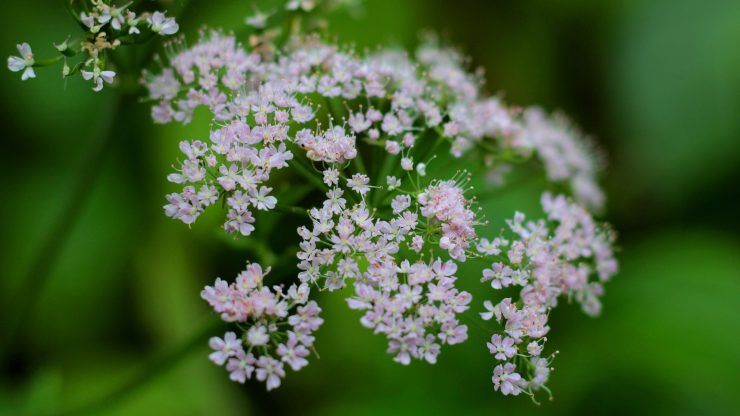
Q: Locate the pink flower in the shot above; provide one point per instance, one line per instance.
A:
(506, 379)
(402, 348)
(502, 347)
(270, 371)
(359, 183)
(261, 200)
(240, 367)
(293, 353)
(224, 348)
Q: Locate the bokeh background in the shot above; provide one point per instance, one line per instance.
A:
(657, 84)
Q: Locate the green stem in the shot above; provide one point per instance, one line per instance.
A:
(33, 282)
(156, 366)
(47, 61)
(388, 163)
(359, 163)
(291, 210)
(306, 173)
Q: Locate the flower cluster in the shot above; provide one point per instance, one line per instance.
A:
(233, 166)
(107, 27)
(547, 259)
(445, 204)
(565, 154)
(276, 327)
(392, 231)
(412, 301)
(202, 75)
(414, 305)
(433, 93)
(395, 242)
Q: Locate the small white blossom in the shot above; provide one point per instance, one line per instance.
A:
(23, 63)
(421, 169)
(162, 24)
(98, 76)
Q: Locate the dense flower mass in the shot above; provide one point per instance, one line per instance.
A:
(410, 300)
(233, 166)
(444, 204)
(275, 327)
(364, 131)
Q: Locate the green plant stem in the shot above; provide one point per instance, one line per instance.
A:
(306, 173)
(33, 282)
(48, 61)
(156, 366)
(388, 164)
(291, 210)
(359, 162)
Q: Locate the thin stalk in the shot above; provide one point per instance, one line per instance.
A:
(291, 210)
(359, 163)
(48, 61)
(388, 163)
(306, 173)
(33, 282)
(155, 367)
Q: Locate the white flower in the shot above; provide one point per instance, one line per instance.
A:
(421, 169)
(487, 316)
(89, 21)
(98, 76)
(262, 199)
(359, 183)
(258, 20)
(257, 335)
(162, 24)
(306, 5)
(407, 163)
(132, 21)
(23, 63)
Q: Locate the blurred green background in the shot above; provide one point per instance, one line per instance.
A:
(657, 83)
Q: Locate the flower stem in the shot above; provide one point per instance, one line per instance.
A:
(306, 173)
(157, 365)
(291, 210)
(47, 61)
(32, 284)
